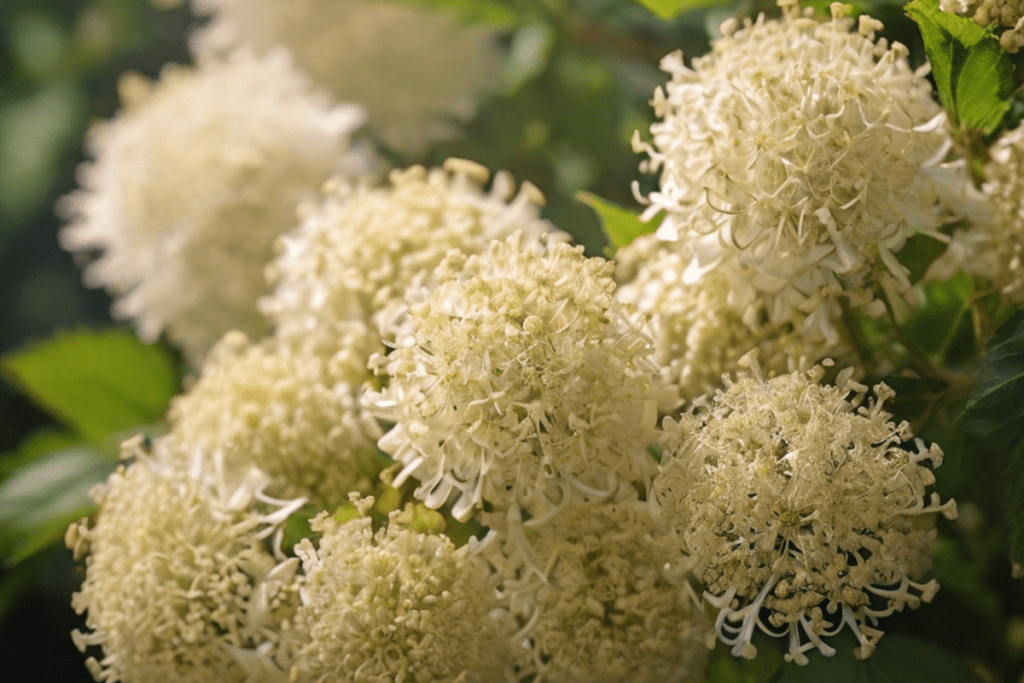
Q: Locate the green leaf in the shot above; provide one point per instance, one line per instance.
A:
(39, 501)
(998, 402)
(527, 56)
(896, 659)
(725, 668)
(488, 12)
(667, 9)
(620, 225)
(97, 383)
(973, 74)
(296, 527)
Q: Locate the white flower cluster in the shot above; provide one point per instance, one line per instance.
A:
(804, 508)
(179, 584)
(515, 379)
(384, 55)
(807, 152)
(1003, 13)
(191, 184)
(1004, 185)
(396, 605)
(358, 251)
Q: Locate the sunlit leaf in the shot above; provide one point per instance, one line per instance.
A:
(97, 383)
(972, 72)
(620, 225)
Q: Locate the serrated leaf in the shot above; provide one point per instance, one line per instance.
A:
(39, 501)
(621, 226)
(667, 9)
(97, 383)
(972, 72)
(896, 659)
(998, 401)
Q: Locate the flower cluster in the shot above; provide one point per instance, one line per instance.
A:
(612, 603)
(396, 605)
(1004, 13)
(1004, 182)
(180, 585)
(383, 55)
(804, 507)
(357, 251)
(515, 378)
(191, 184)
(807, 151)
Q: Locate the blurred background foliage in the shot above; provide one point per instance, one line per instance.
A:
(577, 82)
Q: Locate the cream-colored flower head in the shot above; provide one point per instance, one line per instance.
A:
(804, 506)
(1007, 14)
(357, 252)
(516, 379)
(179, 585)
(611, 606)
(417, 70)
(810, 151)
(1004, 185)
(396, 605)
(699, 335)
(293, 414)
(191, 183)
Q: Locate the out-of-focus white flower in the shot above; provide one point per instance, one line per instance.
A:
(517, 379)
(1004, 185)
(179, 585)
(699, 335)
(396, 605)
(809, 151)
(357, 252)
(804, 508)
(415, 69)
(191, 183)
(612, 604)
(1004, 13)
(293, 414)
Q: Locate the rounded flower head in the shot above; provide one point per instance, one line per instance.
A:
(607, 610)
(804, 508)
(192, 182)
(179, 585)
(811, 152)
(397, 606)
(294, 415)
(360, 249)
(1003, 255)
(698, 334)
(415, 69)
(517, 375)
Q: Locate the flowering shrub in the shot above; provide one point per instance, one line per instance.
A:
(425, 438)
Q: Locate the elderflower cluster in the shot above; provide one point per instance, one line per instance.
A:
(515, 379)
(1003, 13)
(807, 151)
(357, 252)
(192, 182)
(179, 583)
(386, 55)
(610, 605)
(293, 414)
(1004, 185)
(805, 508)
(396, 605)
(698, 334)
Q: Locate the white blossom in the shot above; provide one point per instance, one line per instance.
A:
(179, 583)
(516, 378)
(1008, 14)
(191, 183)
(293, 414)
(1000, 257)
(398, 606)
(804, 507)
(357, 251)
(415, 69)
(612, 603)
(810, 152)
